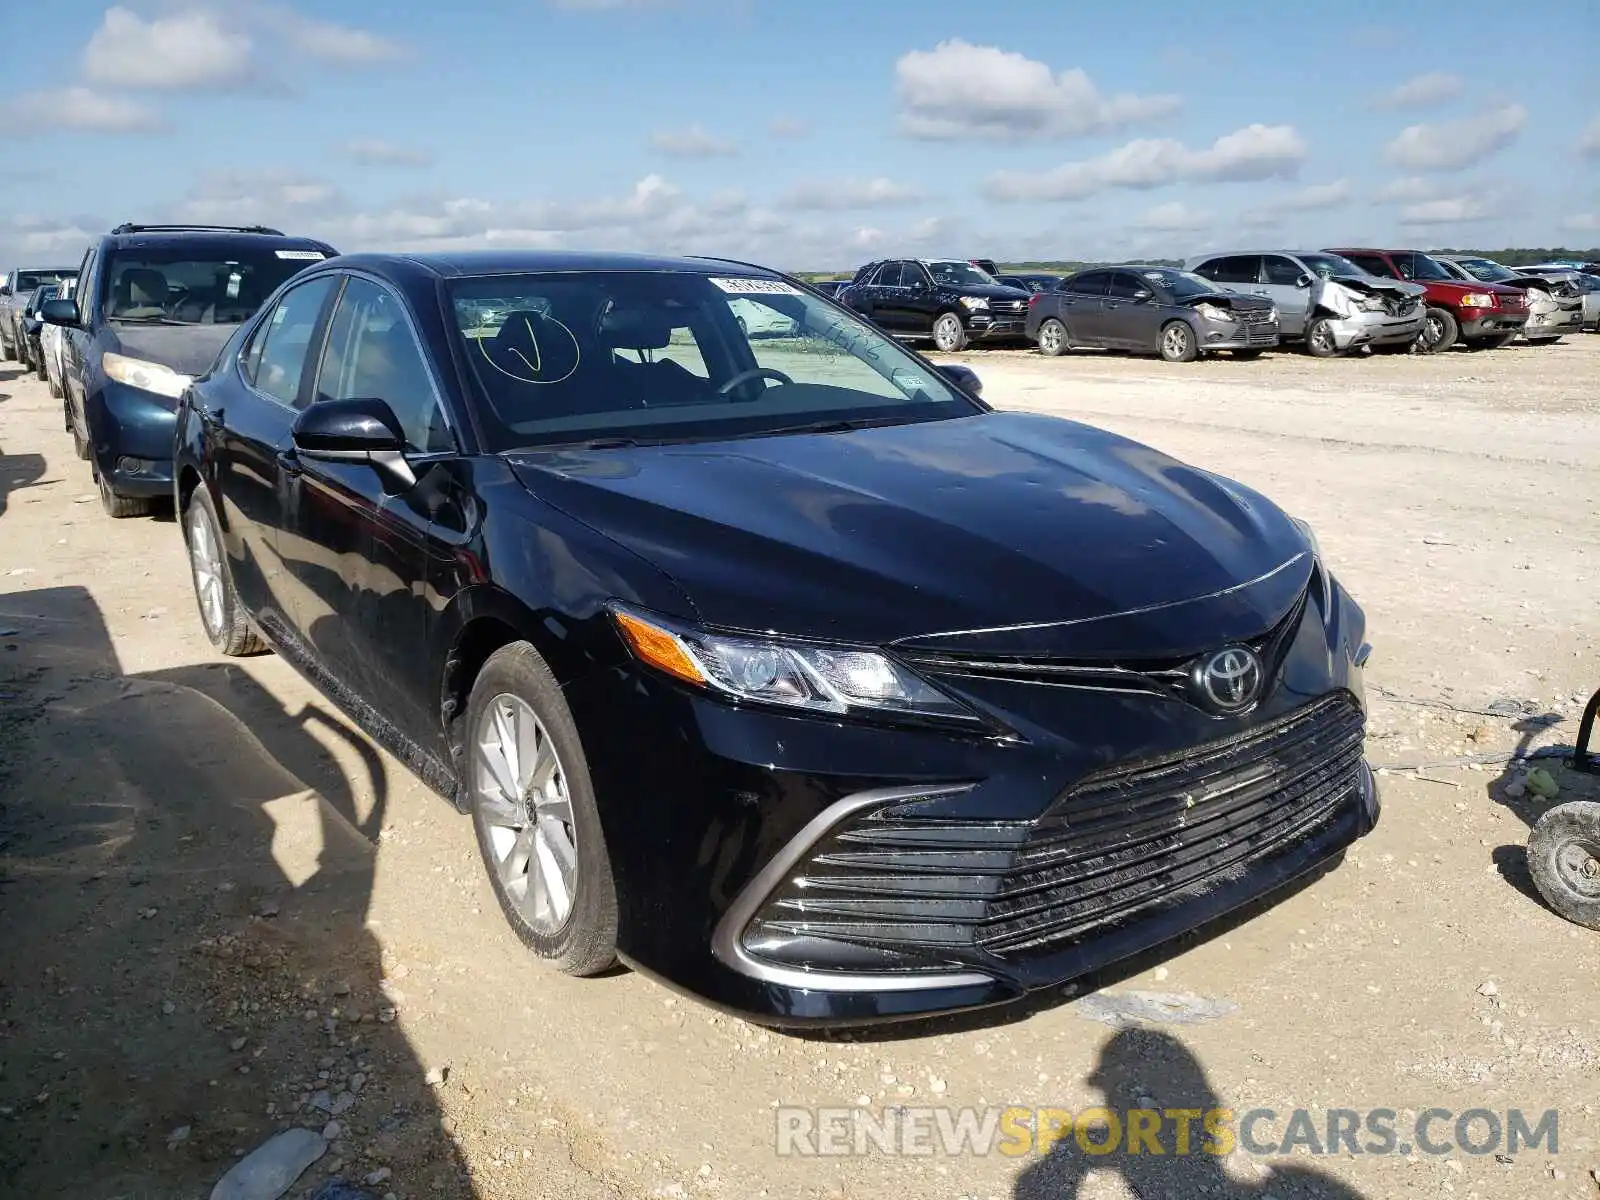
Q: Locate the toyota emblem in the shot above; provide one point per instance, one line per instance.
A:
(1230, 680)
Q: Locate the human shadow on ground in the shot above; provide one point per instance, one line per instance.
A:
(1147, 1069)
(18, 471)
(185, 876)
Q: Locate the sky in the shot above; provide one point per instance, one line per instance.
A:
(807, 136)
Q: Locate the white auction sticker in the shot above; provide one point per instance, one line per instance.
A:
(311, 254)
(761, 286)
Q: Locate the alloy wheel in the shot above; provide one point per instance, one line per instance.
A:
(1322, 338)
(205, 560)
(522, 794)
(947, 332)
(1432, 331)
(1050, 337)
(1175, 342)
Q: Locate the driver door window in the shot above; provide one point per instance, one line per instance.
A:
(373, 353)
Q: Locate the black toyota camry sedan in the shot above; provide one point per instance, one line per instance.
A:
(782, 668)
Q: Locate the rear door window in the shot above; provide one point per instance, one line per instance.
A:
(1234, 268)
(1090, 283)
(889, 275)
(276, 361)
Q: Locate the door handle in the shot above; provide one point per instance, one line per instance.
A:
(1258, 292)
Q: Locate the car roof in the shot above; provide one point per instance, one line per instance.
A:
(163, 238)
(463, 263)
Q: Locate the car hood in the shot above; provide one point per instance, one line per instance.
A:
(995, 291)
(187, 349)
(1001, 533)
(1376, 283)
(1238, 300)
(1456, 288)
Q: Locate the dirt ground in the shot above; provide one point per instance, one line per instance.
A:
(225, 912)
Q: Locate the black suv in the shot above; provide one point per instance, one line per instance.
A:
(154, 305)
(949, 300)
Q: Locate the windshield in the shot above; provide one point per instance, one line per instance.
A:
(26, 281)
(1485, 270)
(1329, 265)
(192, 285)
(1182, 284)
(644, 356)
(960, 274)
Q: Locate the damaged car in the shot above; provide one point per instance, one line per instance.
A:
(1479, 315)
(1555, 294)
(1150, 310)
(1325, 302)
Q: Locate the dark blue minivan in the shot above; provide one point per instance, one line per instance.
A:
(154, 305)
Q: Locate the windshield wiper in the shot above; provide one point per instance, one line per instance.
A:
(150, 320)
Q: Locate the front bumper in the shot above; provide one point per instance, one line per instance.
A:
(992, 326)
(802, 871)
(1237, 335)
(1555, 323)
(130, 435)
(1377, 328)
(1493, 323)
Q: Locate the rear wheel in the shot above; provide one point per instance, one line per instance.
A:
(1439, 331)
(221, 614)
(1053, 339)
(1177, 342)
(1564, 860)
(534, 812)
(949, 334)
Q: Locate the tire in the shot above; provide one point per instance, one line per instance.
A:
(221, 615)
(1177, 342)
(56, 392)
(80, 444)
(949, 333)
(515, 691)
(7, 353)
(1248, 355)
(1440, 330)
(38, 369)
(1491, 343)
(1320, 342)
(121, 506)
(1564, 859)
(1054, 340)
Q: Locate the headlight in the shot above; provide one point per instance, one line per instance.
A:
(1371, 304)
(1213, 312)
(148, 376)
(1477, 300)
(1272, 315)
(974, 303)
(829, 679)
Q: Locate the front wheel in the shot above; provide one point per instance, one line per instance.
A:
(949, 334)
(1177, 342)
(120, 506)
(221, 614)
(1053, 339)
(534, 812)
(1564, 859)
(1320, 342)
(1440, 330)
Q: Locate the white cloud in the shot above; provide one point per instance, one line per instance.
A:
(332, 42)
(1420, 91)
(1410, 188)
(184, 50)
(1176, 217)
(834, 195)
(1582, 223)
(277, 198)
(1589, 140)
(1253, 153)
(958, 90)
(77, 108)
(1453, 145)
(376, 152)
(691, 142)
(1317, 197)
(1451, 210)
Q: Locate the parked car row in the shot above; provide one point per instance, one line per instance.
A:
(761, 652)
(1330, 302)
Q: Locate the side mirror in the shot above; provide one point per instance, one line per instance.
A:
(363, 429)
(5, 289)
(964, 378)
(1142, 296)
(60, 312)
(1304, 281)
